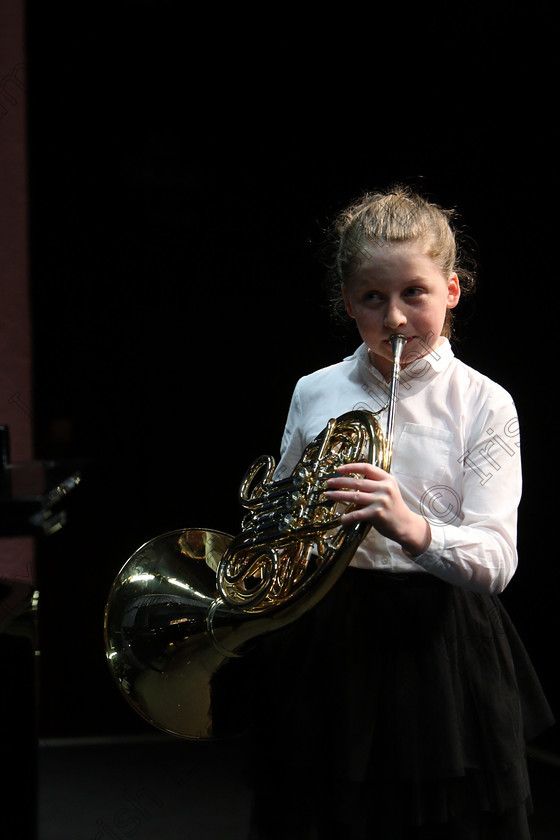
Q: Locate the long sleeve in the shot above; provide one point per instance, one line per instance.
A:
(292, 445)
(474, 529)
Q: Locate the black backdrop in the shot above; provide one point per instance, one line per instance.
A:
(180, 176)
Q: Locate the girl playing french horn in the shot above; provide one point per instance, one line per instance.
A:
(400, 706)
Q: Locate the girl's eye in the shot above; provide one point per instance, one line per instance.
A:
(413, 292)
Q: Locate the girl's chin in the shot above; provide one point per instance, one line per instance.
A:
(383, 356)
(409, 349)
(414, 349)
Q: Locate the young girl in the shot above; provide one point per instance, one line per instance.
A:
(400, 706)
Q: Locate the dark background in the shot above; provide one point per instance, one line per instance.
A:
(182, 168)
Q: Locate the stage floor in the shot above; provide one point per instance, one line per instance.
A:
(158, 788)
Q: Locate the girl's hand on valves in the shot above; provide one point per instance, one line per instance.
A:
(377, 499)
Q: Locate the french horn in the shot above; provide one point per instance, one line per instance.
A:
(186, 609)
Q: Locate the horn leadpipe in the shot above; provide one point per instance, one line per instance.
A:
(397, 343)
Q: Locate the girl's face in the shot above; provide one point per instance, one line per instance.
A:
(397, 288)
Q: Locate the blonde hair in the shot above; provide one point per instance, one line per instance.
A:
(398, 215)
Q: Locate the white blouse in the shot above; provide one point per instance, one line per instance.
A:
(456, 459)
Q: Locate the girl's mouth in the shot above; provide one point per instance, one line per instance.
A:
(409, 338)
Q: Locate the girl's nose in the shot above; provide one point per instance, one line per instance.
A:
(394, 317)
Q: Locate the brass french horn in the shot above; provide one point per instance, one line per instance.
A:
(184, 609)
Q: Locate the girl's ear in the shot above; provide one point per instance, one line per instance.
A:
(453, 291)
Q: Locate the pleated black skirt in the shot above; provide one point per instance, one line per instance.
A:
(399, 707)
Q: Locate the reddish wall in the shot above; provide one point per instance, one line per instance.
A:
(16, 555)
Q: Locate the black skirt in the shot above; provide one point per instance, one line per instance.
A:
(399, 706)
